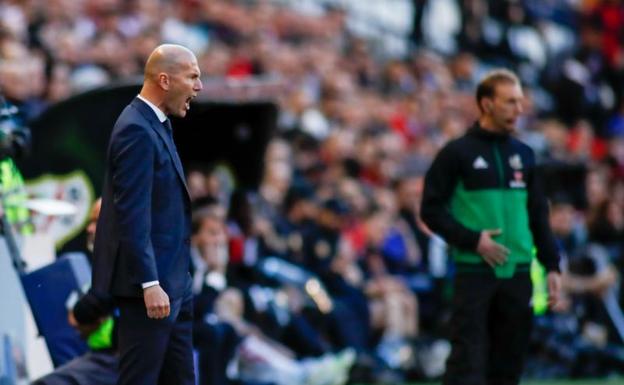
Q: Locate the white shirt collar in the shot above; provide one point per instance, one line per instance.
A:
(161, 115)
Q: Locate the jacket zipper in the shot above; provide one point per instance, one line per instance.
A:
(501, 180)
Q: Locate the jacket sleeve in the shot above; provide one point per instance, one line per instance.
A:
(440, 183)
(132, 158)
(539, 221)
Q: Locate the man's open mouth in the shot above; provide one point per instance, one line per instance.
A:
(187, 104)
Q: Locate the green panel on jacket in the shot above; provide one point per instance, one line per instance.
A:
(491, 209)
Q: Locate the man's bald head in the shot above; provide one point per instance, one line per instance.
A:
(172, 79)
(166, 58)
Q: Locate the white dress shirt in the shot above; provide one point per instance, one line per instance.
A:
(161, 117)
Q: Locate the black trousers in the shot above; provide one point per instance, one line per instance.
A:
(155, 351)
(490, 328)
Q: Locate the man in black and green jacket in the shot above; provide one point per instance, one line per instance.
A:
(482, 195)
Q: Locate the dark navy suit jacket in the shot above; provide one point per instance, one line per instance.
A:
(143, 232)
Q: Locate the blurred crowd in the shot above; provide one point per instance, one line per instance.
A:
(338, 206)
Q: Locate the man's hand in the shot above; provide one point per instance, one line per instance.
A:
(156, 302)
(554, 291)
(492, 252)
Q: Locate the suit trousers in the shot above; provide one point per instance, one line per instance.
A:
(490, 329)
(156, 351)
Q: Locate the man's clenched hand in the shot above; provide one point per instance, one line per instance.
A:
(156, 302)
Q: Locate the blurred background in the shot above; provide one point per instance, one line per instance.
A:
(305, 155)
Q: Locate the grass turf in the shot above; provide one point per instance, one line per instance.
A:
(612, 381)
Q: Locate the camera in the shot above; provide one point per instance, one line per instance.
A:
(15, 137)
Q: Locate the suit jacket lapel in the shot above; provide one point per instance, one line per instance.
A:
(160, 129)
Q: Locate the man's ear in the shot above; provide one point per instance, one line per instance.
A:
(487, 105)
(163, 81)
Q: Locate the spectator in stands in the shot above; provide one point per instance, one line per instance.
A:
(567, 225)
(214, 339)
(221, 333)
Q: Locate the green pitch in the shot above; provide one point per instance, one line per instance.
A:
(612, 381)
(575, 382)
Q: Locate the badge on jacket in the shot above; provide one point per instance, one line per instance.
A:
(515, 162)
(517, 181)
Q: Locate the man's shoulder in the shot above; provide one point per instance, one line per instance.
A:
(456, 144)
(520, 146)
(458, 141)
(131, 119)
(131, 115)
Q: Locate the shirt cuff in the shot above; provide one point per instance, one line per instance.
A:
(145, 285)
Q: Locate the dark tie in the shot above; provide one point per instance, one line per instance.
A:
(169, 129)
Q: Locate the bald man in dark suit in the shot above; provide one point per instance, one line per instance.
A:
(141, 254)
